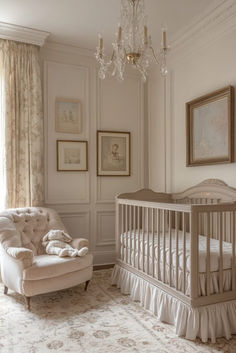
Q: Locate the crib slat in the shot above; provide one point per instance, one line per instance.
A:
(170, 248)
(184, 250)
(211, 224)
(220, 227)
(224, 227)
(143, 243)
(122, 233)
(153, 245)
(148, 241)
(135, 234)
(177, 250)
(194, 251)
(158, 243)
(126, 232)
(118, 224)
(164, 247)
(139, 209)
(208, 255)
(232, 232)
(130, 234)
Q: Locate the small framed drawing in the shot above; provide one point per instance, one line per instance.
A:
(113, 153)
(210, 128)
(68, 116)
(72, 156)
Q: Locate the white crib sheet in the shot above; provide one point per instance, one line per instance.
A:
(131, 240)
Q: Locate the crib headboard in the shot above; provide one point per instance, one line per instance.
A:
(208, 191)
(147, 195)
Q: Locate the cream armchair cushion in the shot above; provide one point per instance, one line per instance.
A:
(25, 267)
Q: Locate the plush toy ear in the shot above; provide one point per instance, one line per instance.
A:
(67, 237)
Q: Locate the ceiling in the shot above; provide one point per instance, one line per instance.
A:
(77, 22)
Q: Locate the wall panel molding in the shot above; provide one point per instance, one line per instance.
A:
(102, 238)
(138, 136)
(90, 213)
(104, 257)
(83, 136)
(81, 218)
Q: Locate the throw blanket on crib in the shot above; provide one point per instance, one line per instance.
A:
(57, 242)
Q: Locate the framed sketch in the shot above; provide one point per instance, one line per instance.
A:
(210, 128)
(113, 153)
(72, 156)
(68, 116)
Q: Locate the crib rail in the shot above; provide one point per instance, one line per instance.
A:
(160, 241)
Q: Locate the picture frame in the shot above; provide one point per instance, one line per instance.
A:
(210, 128)
(113, 153)
(68, 117)
(72, 156)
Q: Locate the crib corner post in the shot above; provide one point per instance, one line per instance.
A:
(194, 254)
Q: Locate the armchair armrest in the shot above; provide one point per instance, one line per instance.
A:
(22, 254)
(79, 243)
(14, 260)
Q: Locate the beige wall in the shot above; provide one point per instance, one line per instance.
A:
(194, 71)
(84, 201)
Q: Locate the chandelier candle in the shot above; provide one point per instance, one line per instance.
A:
(164, 39)
(119, 34)
(100, 42)
(133, 45)
(145, 35)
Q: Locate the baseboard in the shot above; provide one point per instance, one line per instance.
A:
(103, 267)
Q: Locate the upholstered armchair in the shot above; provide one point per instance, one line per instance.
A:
(25, 267)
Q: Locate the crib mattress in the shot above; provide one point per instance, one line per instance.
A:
(132, 242)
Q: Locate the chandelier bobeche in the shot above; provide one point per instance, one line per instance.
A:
(133, 45)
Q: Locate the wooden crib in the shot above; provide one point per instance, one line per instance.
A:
(183, 244)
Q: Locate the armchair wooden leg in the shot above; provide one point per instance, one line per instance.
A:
(27, 302)
(86, 285)
(5, 289)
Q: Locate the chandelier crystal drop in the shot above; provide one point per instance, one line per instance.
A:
(133, 44)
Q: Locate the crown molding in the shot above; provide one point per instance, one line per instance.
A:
(22, 34)
(68, 49)
(212, 25)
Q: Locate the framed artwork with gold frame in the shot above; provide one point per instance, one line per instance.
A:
(210, 128)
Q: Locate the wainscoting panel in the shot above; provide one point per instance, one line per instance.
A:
(77, 224)
(124, 114)
(65, 81)
(85, 202)
(105, 228)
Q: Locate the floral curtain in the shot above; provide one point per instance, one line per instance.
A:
(21, 114)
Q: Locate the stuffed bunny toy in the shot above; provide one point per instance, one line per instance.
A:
(56, 242)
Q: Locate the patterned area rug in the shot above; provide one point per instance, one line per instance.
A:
(101, 320)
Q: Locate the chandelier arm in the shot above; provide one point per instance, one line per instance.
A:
(154, 55)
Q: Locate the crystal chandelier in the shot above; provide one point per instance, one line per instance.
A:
(133, 45)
